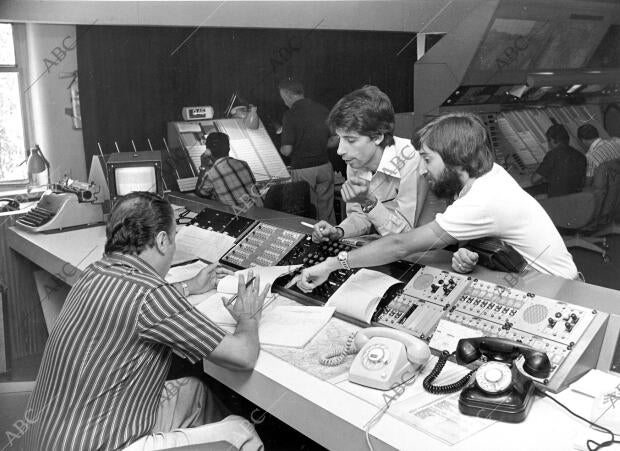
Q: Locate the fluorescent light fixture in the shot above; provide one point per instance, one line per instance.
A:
(573, 89)
(518, 91)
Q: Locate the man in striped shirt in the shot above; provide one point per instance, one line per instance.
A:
(101, 384)
(228, 180)
(599, 150)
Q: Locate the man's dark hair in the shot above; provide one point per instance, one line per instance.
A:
(291, 85)
(218, 144)
(135, 221)
(587, 131)
(367, 111)
(557, 133)
(461, 139)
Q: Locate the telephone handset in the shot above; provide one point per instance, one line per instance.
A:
(8, 204)
(500, 391)
(385, 357)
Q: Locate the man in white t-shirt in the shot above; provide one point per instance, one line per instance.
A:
(384, 190)
(488, 203)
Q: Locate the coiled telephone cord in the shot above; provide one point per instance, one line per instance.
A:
(443, 389)
(337, 354)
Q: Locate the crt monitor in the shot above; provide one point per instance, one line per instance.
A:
(134, 171)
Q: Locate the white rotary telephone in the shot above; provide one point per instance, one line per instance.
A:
(386, 357)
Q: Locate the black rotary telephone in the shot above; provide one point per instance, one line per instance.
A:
(8, 204)
(499, 390)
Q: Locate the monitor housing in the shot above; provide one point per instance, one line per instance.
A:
(134, 171)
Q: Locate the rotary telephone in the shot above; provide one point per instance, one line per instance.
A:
(386, 357)
(500, 389)
(8, 204)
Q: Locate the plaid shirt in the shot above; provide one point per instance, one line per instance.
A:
(602, 150)
(229, 181)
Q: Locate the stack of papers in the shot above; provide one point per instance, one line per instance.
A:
(195, 242)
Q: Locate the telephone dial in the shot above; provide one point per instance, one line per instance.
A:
(499, 390)
(385, 357)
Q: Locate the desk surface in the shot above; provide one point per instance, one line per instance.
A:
(325, 412)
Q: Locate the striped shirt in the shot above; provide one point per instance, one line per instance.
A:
(602, 150)
(106, 360)
(229, 181)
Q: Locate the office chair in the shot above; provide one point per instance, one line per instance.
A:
(607, 175)
(293, 198)
(576, 217)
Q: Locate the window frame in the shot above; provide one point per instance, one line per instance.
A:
(20, 47)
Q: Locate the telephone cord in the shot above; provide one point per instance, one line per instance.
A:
(589, 442)
(443, 389)
(337, 354)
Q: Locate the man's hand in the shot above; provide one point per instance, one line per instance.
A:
(356, 190)
(313, 277)
(248, 303)
(324, 231)
(464, 260)
(207, 279)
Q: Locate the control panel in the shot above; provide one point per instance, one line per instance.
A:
(264, 245)
(546, 324)
(226, 223)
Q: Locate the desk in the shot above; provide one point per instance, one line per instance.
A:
(323, 411)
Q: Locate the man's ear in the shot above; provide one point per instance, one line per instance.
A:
(162, 242)
(378, 139)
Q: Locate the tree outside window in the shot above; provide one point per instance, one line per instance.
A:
(12, 144)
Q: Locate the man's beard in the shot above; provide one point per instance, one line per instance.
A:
(447, 186)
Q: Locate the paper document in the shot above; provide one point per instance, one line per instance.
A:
(292, 325)
(360, 294)
(184, 272)
(268, 274)
(212, 306)
(195, 242)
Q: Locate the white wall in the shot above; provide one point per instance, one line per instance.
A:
(61, 144)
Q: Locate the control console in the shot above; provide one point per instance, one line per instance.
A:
(226, 223)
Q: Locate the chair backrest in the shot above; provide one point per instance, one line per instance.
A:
(607, 178)
(293, 198)
(572, 211)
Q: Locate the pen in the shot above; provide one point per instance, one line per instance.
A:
(234, 298)
(307, 224)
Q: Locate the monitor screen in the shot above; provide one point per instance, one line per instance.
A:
(135, 178)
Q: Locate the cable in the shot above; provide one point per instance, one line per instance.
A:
(337, 355)
(596, 426)
(443, 389)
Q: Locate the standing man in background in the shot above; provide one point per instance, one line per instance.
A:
(304, 139)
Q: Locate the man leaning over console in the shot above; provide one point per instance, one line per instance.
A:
(102, 385)
(384, 189)
(488, 202)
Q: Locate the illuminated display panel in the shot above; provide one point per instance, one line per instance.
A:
(137, 178)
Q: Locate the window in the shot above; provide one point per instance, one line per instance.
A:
(12, 140)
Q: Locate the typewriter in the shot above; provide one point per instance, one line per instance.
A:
(68, 205)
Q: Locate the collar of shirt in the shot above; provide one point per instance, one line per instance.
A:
(386, 165)
(130, 261)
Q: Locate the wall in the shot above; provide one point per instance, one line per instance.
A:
(61, 144)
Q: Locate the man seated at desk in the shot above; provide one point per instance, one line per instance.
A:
(228, 180)
(599, 150)
(488, 202)
(563, 167)
(384, 190)
(101, 382)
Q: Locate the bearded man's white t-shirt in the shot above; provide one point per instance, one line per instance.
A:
(494, 205)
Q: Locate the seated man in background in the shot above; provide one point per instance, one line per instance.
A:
(599, 150)
(488, 203)
(564, 167)
(384, 190)
(229, 180)
(101, 381)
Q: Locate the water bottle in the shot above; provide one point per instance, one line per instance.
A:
(38, 168)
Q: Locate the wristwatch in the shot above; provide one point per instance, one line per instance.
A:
(343, 259)
(366, 208)
(185, 288)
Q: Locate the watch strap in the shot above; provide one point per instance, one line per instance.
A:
(343, 258)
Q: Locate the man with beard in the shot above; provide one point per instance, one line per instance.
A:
(489, 202)
(384, 189)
